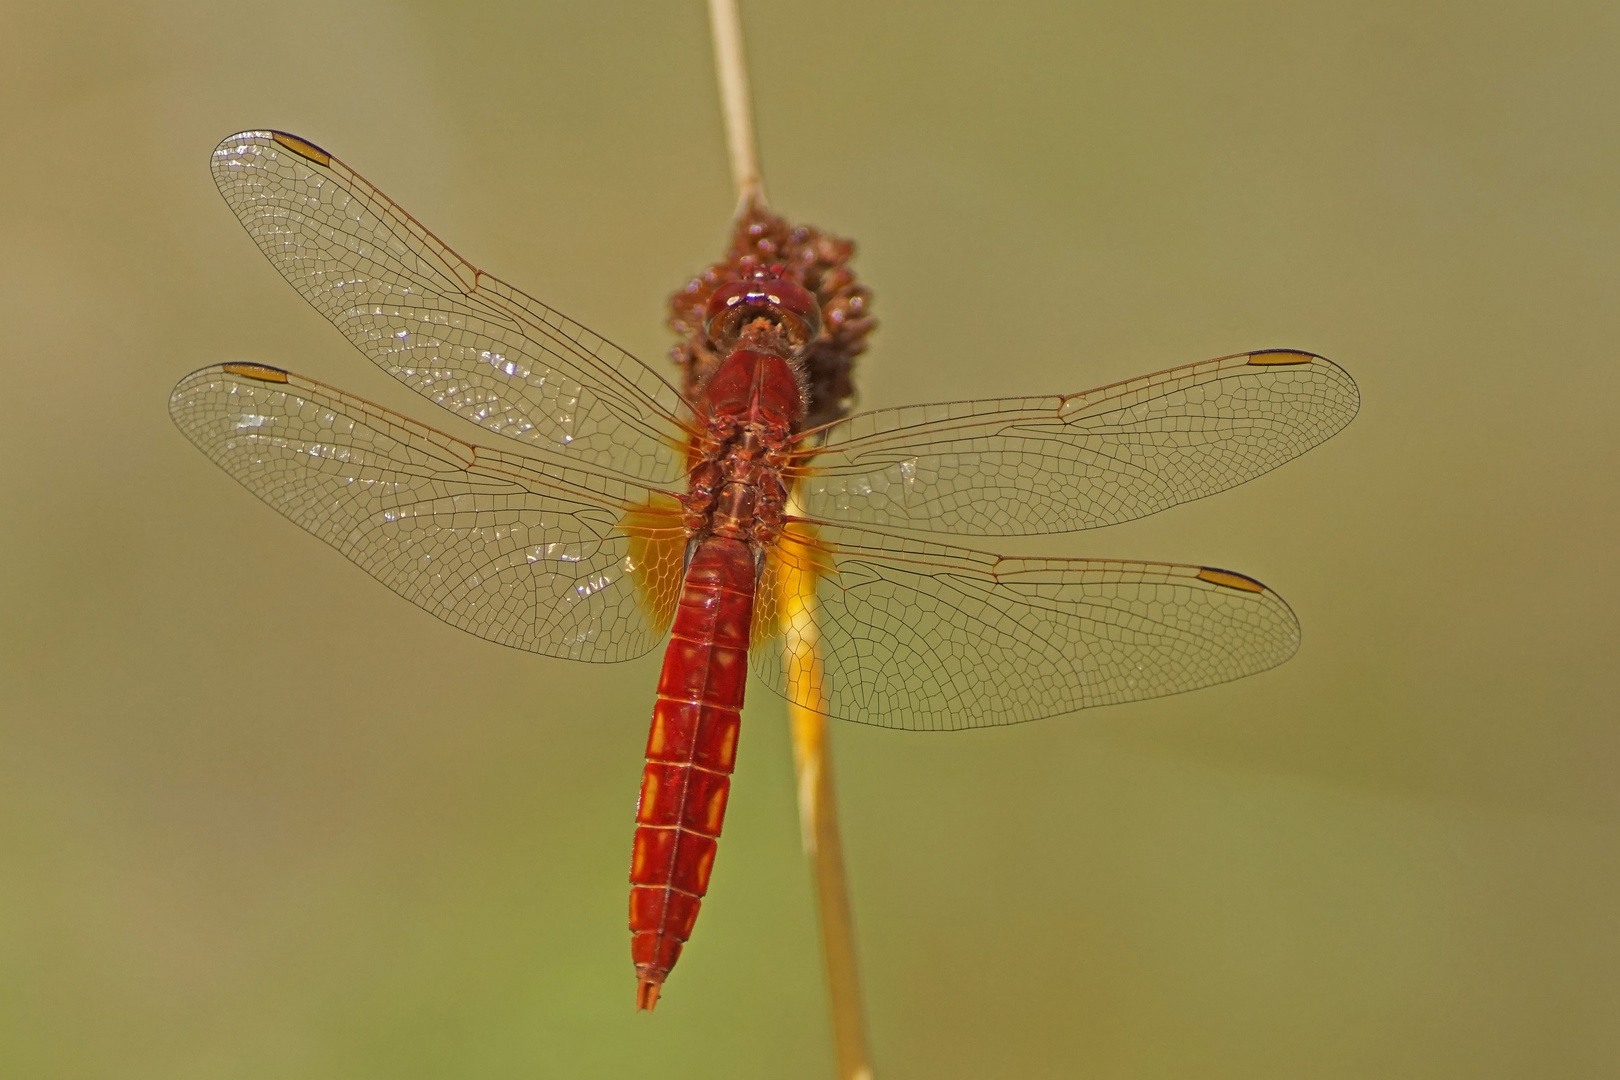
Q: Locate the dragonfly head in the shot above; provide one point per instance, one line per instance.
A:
(766, 310)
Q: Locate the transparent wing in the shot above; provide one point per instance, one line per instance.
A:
(1020, 466)
(454, 334)
(923, 636)
(532, 554)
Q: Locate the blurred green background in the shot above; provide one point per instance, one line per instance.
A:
(261, 818)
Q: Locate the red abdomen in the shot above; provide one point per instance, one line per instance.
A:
(690, 753)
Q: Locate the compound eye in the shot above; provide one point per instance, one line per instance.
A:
(788, 304)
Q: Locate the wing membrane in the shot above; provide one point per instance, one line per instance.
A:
(924, 636)
(1020, 466)
(529, 553)
(454, 334)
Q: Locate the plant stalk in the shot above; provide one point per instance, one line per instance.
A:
(812, 760)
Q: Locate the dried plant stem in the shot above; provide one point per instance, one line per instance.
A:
(734, 101)
(818, 825)
(818, 808)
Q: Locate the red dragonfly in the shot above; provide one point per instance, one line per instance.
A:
(616, 511)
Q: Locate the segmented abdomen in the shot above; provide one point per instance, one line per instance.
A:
(690, 753)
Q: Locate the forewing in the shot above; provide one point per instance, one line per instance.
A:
(454, 334)
(1021, 466)
(923, 636)
(533, 554)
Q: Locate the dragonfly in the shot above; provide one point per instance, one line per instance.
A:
(611, 511)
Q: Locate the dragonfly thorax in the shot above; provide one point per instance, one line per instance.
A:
(749, 408)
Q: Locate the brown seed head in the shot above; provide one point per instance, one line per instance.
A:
(815, 260)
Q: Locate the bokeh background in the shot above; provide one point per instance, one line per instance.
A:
(260, 818)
